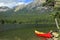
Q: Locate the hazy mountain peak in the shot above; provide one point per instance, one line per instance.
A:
(4, 8)
(19, 7)
(36, 3)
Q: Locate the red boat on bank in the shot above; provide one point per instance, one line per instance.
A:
(42, 34)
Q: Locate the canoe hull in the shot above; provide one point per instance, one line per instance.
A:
(42, 34)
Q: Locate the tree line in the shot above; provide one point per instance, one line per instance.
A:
(2, 21)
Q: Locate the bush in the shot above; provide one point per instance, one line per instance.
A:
(57, 8)
(49, 3)
(2, 21)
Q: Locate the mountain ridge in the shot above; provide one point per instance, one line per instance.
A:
(4, 8)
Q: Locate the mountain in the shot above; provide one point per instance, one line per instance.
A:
(35, 7)
(35, 3)
(4, 8)
(19, 7)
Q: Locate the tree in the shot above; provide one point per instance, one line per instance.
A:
(20, 22)
(2, 21)
(14, 21)
(49, 3)
(56, 16)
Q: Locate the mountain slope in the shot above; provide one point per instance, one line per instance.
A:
(35, 7)
(19, 7)
(35, 3)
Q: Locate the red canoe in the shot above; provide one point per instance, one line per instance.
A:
(42, 34)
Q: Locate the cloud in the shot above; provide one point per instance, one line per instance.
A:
(12, 3)
(7, 0)
(8, 4)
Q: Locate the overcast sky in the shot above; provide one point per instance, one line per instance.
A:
(12, 3)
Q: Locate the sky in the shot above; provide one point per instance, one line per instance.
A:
(12, 3)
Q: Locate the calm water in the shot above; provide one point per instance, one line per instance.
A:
(4, 27)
